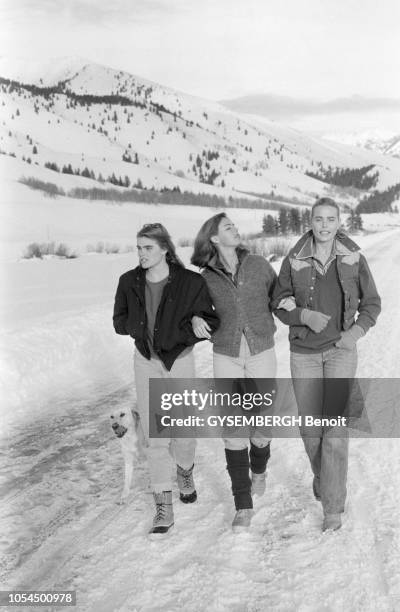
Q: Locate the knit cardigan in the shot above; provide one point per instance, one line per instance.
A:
(244, 307)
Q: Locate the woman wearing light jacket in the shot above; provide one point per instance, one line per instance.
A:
(240, 286)
(154, 304)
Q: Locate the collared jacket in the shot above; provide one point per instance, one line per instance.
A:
(242, 304)
(297, 280)
(184, 296)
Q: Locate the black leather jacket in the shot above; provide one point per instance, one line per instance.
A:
(184, 296)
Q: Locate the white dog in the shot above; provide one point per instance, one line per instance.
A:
(126, 426)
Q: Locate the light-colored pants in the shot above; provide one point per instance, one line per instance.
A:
(246, 365)
(328, 450)
(162, 453)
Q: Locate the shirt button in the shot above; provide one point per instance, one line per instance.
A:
(312, 287)
(310, 298)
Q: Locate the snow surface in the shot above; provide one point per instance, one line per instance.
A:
(64, 371)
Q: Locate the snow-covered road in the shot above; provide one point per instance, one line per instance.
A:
(61, 529)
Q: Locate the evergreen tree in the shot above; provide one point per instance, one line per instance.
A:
(358, 221)
(67, 169)
(305, 220)
(269, 225)
(283, 221)
(294, 221)
(354, 221)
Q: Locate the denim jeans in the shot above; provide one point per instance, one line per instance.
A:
(162, 453)
(327, 448)
(246, 365)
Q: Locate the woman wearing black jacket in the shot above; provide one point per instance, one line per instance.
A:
(154, 304)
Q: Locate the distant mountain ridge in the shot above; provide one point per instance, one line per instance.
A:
(387, 144)
(274, 106)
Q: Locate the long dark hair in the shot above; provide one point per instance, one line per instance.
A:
(158, 233)
(204, 249)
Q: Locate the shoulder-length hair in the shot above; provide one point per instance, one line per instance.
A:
(204, 249)
(158, 233)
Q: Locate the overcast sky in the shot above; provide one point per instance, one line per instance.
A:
(319, 49)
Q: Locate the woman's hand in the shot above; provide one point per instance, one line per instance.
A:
(201, 328)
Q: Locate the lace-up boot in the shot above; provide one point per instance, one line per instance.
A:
(187, 491)
(164, 518)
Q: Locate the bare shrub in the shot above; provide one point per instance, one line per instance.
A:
(278, 246)
(268, 247)
(62, 250)
(185, 242)
(49, 189)
(33, 250)
(48, 248)
(103, 247)
(111, 248)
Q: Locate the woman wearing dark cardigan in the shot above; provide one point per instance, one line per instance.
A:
(240, 286)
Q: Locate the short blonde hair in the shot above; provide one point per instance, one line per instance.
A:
(325, 202)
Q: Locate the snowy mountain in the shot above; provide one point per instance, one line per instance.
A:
(41, 73)
(85, 125)
(385, 142)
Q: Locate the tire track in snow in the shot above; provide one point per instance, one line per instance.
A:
(65, 478)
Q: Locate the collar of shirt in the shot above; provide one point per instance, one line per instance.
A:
(216, 262)
(308, 251)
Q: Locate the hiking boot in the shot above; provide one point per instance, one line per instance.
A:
(332, 522)
(316, 488)
(187, 492)
(164, 518)
(242, 520)
(258, 483)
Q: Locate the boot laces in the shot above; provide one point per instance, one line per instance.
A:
(187, 479)
(160, 511)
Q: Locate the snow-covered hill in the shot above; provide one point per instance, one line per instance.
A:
(386, 142)
(113, 126)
